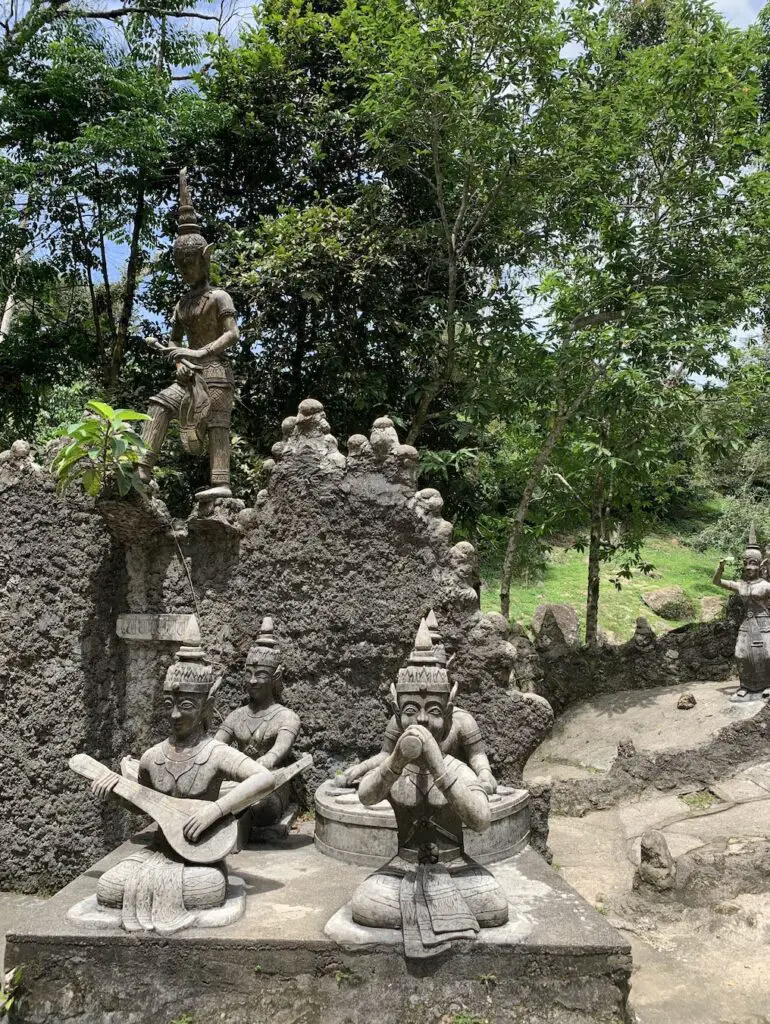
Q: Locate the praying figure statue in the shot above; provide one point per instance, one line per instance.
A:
(752, 648)
(463, 739)
(180, 880)
(263, 728)
(432, 890)
(201, 397)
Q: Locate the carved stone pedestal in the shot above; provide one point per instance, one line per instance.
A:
(556, 962)
(348, 831)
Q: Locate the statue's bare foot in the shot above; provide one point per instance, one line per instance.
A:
(221, 491)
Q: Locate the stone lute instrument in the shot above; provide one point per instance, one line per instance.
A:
(172, 813)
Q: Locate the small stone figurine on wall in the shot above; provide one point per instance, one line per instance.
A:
(263, 728)
(752, 649)
(201, 397)
(431, 890)
(463, 739)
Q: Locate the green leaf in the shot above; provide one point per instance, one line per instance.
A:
(104, 410)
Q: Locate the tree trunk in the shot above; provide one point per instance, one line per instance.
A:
(129, 292)
(10, 302)
(92, 290)
(517, 527)
(594, 562)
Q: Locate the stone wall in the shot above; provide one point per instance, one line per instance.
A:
(556, 667)
(60, 688)
(344, 552)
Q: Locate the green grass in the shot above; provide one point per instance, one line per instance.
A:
(566, 576)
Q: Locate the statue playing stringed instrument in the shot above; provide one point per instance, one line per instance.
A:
(181, 879)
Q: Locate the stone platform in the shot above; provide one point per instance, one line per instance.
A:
(557, 962)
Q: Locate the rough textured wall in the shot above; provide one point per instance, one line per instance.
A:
(346, 555)
(59, 678)
(564, 672)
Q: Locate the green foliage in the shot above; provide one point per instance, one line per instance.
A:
(730, 532)
(564, 581)
(11, 991)
(103, 449)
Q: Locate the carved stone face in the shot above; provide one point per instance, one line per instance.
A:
(192, 265)
(431, 710)
(184, 711)
(751, 569)
(258, 681)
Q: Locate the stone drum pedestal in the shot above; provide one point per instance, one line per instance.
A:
(350, 832)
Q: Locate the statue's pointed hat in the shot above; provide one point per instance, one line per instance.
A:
(264, 651)
(424, 672)
(188, 234)
(753, 550)
(435, 634)
(190, 670)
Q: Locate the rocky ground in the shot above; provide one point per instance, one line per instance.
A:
(700, 954)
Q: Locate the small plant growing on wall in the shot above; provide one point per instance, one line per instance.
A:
(103, 450)
(10, 991)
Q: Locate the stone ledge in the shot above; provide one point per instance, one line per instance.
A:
(563, 963)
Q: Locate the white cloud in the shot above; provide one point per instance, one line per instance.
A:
(739, 12)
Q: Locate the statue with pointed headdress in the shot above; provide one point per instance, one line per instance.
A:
(180, 880)
(752, 649)
(263, 728)
(431, 890)
(201, 397)
(463, 738)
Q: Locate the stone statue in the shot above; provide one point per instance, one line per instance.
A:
(176, 883)
(431, 890)
(463, 739)
(263, 729)
(201, 397)
(752, 649)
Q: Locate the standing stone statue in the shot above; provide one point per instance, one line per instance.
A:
(462, 740)
(263, 729)
(201, 397)
(181, 879)
(431, 890)
(752, 649)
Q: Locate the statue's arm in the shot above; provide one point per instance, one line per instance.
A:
(378, 782)
(725, 584)
(357, 771)
(281, 749)
(226, 339)
(469, 801)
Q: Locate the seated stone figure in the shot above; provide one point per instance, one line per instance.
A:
(155, 889)
(263, 728)
(463, 740)
(431, 889)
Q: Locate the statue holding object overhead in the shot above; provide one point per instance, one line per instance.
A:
(752, 648)
(431, 890)
(201, 397)
(180, 880)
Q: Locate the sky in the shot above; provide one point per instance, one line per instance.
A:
(740, 12)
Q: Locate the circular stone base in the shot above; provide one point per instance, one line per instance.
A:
(350, 832)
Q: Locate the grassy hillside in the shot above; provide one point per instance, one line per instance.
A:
(565, 583)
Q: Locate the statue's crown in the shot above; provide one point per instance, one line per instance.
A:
(264, 651)
(190, 670)
(753, 550)
(188, 231)
(424, 672)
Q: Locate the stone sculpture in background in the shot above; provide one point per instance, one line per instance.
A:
(463, 738)
(201, 397)
(263, 728)
(180, 880)
(431, 890)
(752, 649)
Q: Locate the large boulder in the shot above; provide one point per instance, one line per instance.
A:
(712, 609)
(556, 625)
(669, 603)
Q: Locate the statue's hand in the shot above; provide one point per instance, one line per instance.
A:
(352, 774)
(103, 786)
(721, 565)
(176, 353)
(488, 781)
(200, 821)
